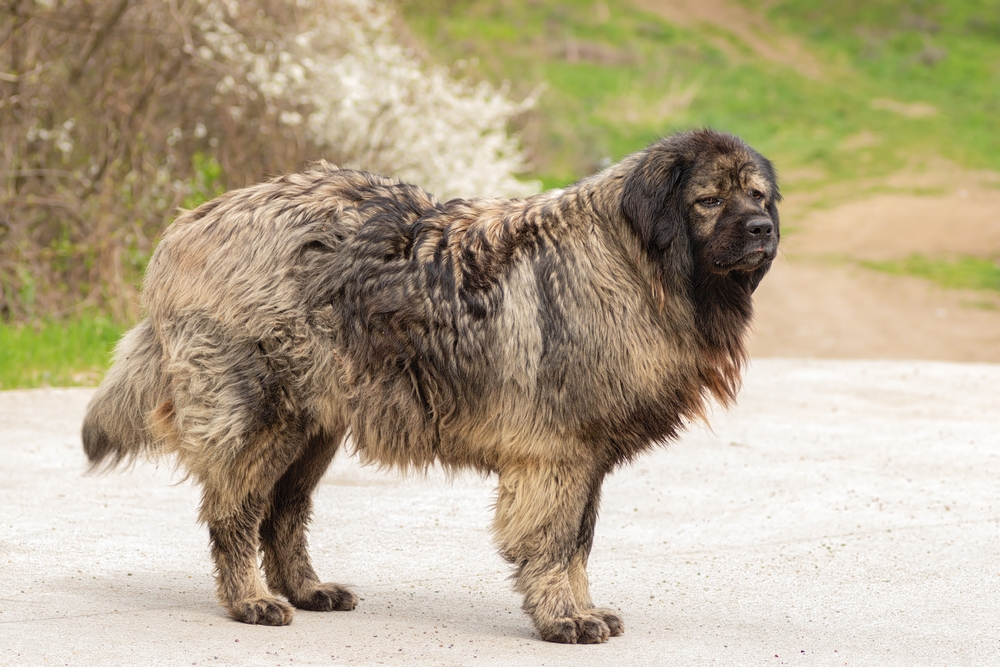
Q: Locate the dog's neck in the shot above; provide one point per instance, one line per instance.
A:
(683, 288)
(723, 312)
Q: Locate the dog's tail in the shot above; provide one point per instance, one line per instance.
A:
(116, 427)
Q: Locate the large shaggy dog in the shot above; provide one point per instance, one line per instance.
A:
(546, 340)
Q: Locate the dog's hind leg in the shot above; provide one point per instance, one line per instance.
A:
(234, 424)
(239, 585)
(578, 580)
(235, 501)
(540, 508)
(287, 564)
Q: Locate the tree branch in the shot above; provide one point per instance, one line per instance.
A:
(97, 40)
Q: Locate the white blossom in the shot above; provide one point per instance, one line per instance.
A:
(373, 103)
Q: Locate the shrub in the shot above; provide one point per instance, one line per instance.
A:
(115, 112)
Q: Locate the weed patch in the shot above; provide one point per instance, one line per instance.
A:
(965, 273)
(56, 354)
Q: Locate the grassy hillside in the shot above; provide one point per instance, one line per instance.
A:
(899, 82)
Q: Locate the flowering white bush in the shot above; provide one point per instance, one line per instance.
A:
(361, 95)
(99, 147)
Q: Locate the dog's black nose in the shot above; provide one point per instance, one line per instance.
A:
(760, 227)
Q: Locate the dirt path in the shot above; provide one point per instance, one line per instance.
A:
(820, 302)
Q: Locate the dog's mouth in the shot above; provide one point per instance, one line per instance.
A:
(751, 259)
(762, 253)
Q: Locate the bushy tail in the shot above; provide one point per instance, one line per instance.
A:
(116, 427)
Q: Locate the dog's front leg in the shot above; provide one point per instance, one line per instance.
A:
(540, 509)
(578, 580)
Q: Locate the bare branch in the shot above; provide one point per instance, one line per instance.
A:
(97, 40)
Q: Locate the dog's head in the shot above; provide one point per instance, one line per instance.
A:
(712, 193)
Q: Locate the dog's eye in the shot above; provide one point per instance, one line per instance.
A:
(757, 195)
(710, 202)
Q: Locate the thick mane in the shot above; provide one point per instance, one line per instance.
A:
(656, 203)
(723, 314)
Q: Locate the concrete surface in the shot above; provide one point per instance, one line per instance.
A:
(846, 513)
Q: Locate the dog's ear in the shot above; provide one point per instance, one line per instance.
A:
(651, 199)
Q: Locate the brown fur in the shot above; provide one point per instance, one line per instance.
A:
(547, 340)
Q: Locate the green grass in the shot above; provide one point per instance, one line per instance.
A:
(964, 273)
(52, 353)
(614, 97)
(944, 54)
(622, 68)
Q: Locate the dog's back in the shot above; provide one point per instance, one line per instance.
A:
(223, 294)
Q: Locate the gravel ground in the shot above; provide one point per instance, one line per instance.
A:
(845, 513)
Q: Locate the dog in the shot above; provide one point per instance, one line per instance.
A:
(545, 340)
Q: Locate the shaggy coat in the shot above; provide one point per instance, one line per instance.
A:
(545, 340)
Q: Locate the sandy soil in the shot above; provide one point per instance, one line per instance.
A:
(819, 302)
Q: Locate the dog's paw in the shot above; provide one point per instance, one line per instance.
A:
(585, 628)
(612, 619)
(326, 597)
(263, 611)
